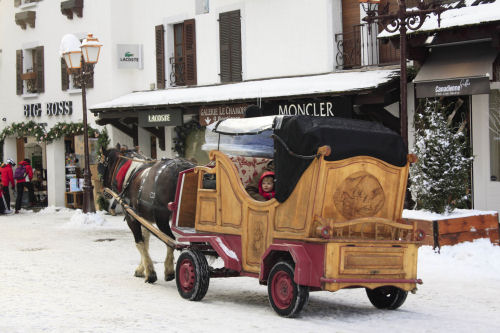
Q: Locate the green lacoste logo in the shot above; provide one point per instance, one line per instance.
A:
(128, 54)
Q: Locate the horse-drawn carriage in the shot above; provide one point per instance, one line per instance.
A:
(335, 222)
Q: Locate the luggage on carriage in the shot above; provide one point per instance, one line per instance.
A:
(336, 221)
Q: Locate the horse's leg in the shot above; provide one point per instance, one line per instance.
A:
(145, 268)
(169, 264)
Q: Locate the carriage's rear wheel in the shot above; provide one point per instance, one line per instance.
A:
(388, 297)
(192, 275)
(286, 297)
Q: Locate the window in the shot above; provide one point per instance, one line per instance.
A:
(183, 62)
(69, 81)
(230, 46)
(495, 135)
(30, 71)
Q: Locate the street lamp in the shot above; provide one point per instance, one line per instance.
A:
(403, 20)
(80, 59)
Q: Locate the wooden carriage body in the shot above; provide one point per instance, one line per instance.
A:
(341, 225)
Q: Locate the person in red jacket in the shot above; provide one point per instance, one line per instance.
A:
(21, 182)
(7, 179)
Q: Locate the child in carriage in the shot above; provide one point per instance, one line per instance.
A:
(265, 187)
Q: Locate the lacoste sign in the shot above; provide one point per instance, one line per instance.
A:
(130, 56)
(160, 118)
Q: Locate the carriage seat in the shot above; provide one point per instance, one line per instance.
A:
(249, 167)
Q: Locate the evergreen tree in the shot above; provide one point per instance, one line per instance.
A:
(440, 178)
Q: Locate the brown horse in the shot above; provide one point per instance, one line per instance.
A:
(147, 186)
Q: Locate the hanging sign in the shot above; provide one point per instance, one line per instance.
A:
(160, 118)
(212, 113)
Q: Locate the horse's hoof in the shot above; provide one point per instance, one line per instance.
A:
(170, 277)
(139, 274)
(151, 278)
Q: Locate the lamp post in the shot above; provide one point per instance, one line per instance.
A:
(403, 21)
(80, 60)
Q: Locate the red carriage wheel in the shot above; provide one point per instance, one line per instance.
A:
(191, 275)
(286, 297)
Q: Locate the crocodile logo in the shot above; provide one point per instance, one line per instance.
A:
(128, 54)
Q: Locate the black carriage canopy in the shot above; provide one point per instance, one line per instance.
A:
(303, 135)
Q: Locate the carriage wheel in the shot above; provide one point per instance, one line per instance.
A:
(286, 297)
(389, 298)
(192, 275)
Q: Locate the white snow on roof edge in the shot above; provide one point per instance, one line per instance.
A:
(282, 87)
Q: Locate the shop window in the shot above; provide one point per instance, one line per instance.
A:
(30, 71)
(230, 46)
(495, 135)
(70, 81)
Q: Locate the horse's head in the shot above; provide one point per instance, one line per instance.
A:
(107, 164)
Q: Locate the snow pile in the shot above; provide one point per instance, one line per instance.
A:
(87, 219)
(469, 259)
(457, 213)
(54, 210)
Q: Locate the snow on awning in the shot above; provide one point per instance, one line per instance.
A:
(283, 87)
(463, 16)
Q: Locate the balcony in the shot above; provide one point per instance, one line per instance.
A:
(26, 18)
(69, 7)
(177, 72)
(360, 48)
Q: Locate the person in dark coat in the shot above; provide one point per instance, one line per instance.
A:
(21, 183)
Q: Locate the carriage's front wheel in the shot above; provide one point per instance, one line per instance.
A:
(387, 297)
(286, 297)
(192, 275)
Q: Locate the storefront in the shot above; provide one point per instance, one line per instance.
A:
(465, 75)
(360, 94)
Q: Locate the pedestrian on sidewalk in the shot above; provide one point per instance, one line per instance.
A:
(7, 179)
(23, 176)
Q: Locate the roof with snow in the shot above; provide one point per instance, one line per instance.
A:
(460, 13)
(331, 83)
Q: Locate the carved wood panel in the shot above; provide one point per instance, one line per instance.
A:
(255, 238)
(231, 212)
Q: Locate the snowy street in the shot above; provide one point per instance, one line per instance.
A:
(62, 273)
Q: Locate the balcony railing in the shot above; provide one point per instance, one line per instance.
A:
(177, 72)
(360, 47)
(30, 77)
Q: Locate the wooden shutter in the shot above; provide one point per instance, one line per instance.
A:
(160, 56)
(39, 69)
(64, 75)
(236, 68)
(90, 82)
(189, 43)
(19, 70)
(230, 46)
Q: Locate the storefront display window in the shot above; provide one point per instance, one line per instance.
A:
(495, 135)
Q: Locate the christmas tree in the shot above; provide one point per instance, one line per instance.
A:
(440, 178)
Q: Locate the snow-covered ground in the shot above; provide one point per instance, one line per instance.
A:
(61, 272)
